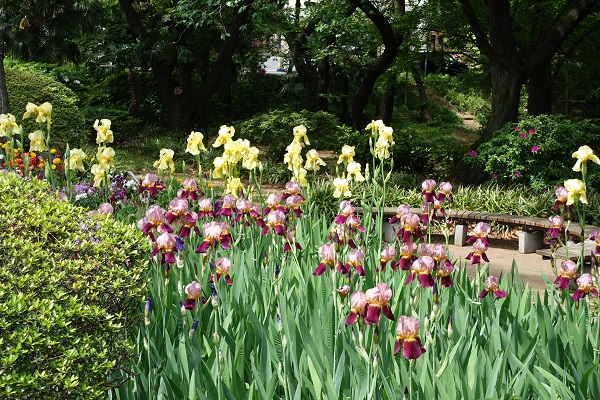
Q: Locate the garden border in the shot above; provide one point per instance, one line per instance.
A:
(531, 236)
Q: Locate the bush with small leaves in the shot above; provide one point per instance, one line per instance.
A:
(71, 289)
(537, 151)
(275, 130)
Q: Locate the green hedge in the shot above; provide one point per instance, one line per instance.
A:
(71, 288)
(275, 130)
(31, 85)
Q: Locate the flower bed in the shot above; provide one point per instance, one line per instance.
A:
(253, 297)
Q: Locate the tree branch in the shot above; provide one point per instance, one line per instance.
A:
(480, 37)
(557, 35)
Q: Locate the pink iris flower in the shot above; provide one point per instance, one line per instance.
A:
(585, 285)
(491, 286)
(568, 271)
(177, 208)
(378, 302)
(166, 244)
(328, 256)
(155, 219)
(445, 191)
(243, 208)
(222, 267)
(408, 254)
(421, 269)
(402, 210)
(188, 222)
(480, 231)
(275, 221)
(292, 189)
(428, 189)
(595, 236)
(387, 254)
(228, 207)
(193, 291)
(562, 194)
(151, 184)
(213, 233)
(293, 202)
(478, 253)
(355, 259)
(410, 223)
(273, 203)
(556, 226)
(358, 302)
(407, 337)
(205, 208)
(346, 210)
(189, 190)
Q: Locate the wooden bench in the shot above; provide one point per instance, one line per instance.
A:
(574, 251)
(531, 236)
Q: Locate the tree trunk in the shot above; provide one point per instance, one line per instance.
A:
(134, 93)
(506, 92)
(539, 89)
(181, 101)
(422, 94)
(387, 105)
(391, 40)
(4, 107)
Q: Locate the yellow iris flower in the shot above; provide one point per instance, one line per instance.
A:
(341, 188)
(300, 135)
(165, 161)
(37, 142)
(347, 155)
(313, 161)
(8, 122)
(103, 132)
(225, 135)
(76, 159)
(582, 155)
(43, 112)
(195, 144)
(106, 157)
(576, 189)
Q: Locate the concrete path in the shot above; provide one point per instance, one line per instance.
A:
(531, 266)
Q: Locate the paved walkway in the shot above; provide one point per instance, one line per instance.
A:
(531, 266)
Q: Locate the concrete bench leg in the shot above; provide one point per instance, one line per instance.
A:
(389, 231)
(530, 241)
(460, 234)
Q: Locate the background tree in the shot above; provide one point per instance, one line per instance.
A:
(42, 30)
(515, 48)
(190, 48)
(514, 57)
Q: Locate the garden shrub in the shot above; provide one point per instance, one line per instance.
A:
(31, 85)
(275, 130)
(537, 151)
(71, 288)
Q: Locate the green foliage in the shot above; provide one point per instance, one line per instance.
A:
(282, 334)
(538, 151)
(27, 85)
(71, 286)
(468, 92)
(275, 130)
(419, 148)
